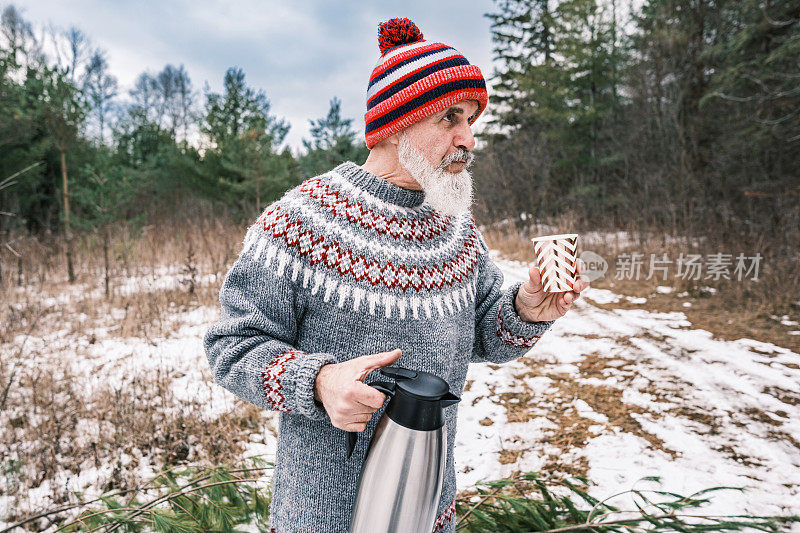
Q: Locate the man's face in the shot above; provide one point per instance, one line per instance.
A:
(437, 152)
(444, 134)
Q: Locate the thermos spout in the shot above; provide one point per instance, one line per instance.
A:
(450, 399)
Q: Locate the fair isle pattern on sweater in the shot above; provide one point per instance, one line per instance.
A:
(271, 377)
(347, 264)
(509, 337)
(392, 224)
(328, 259)
(335, 257)
(445, 517)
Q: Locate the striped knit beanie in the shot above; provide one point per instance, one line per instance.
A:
(415, 78)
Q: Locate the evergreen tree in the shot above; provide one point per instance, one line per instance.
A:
(64, 110)
(557, 87)
(586, 44)
(526, 86)
(23, 145)
(244, 140)
(754, 97)
(239, 111)
(332, 142)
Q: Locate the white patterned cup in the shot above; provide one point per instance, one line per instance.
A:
(557, 260)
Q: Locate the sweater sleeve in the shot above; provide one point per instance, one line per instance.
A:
(500, 334)
(251, 347)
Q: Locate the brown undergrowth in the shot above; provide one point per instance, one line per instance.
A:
(53, 425)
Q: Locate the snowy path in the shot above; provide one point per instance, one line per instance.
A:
(632, 393)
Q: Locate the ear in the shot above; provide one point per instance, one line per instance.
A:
(388, 143)
(394, 140)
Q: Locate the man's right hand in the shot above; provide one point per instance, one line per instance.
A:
(349, 401)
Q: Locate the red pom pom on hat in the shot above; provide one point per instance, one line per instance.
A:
(397, 31)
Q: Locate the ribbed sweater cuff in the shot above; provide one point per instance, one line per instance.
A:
(305, 370)
(512, 323)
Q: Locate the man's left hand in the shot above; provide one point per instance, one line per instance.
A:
(534, 304)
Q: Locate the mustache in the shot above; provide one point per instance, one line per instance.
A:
(459, 155)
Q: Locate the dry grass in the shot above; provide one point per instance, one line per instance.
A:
(49, 423)
(556, 405)
(207, 248)
(55, 426)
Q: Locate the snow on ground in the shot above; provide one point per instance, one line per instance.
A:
(615, 394)
(160, 278)
(702, 412)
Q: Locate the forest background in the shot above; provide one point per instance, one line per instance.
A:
(680, 118)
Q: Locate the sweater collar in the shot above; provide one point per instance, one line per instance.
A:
(379, 187)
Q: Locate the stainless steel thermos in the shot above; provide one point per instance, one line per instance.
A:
(401, 478)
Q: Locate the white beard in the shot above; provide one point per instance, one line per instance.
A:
(448, 193)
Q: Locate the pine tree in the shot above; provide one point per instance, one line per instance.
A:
(527, 85)
(244, 140)
(558, 88)
(332, 142)
(586, 44)
(64, 110)
(754, 97)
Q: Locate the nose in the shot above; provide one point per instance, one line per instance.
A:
(465, 139)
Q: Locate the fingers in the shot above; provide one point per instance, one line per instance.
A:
(352, 418)
(581, 284)
(366, 396)
(347, 412)
(568, 298)
(356, 409)
(359, 419)
(352, 402)
(535, 277)
(357, 427)
(377, 360)
(571, 296)
(352, 423)
(358, 397)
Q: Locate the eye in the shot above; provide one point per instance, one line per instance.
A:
(449, 117)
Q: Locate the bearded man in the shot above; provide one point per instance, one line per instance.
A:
(367, 266)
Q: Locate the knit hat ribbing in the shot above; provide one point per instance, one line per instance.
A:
(415, 78)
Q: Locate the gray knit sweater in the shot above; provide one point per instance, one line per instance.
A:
(347, 264)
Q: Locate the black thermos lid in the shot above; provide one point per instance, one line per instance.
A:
(419, 398)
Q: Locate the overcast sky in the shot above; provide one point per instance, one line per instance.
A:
(301, 53)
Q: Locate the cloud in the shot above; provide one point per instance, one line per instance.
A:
(300, 53)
